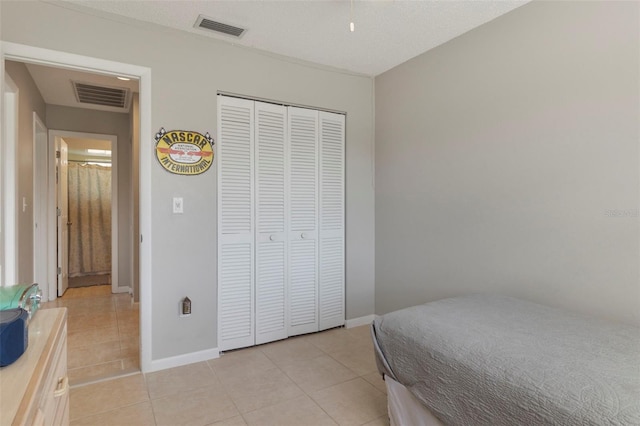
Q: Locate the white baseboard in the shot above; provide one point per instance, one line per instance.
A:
(180, 360)
(121, 290)
(357, 322)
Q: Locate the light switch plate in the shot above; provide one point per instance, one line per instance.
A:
(178, 206)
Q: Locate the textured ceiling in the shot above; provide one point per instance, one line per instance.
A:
(387, 33)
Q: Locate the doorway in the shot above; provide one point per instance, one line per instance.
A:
(85, 181)
(57, 59)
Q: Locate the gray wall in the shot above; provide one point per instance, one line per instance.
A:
(29, 100)
(187, 71)
(500, 157)
(107, 123)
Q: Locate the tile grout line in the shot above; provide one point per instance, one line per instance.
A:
(153, 412)
(106, 411)
(213, 370)
(114, 408)
(305, 393)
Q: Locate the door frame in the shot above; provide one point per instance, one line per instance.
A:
(62, 214)
(40, 222)
(48, 57)
(10, 111)
(51, 210)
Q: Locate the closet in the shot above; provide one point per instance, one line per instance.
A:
(281, 241)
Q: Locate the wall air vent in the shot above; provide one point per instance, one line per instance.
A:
(117, 97)
(219, 27)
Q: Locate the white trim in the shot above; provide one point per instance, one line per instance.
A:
(52, 223)
(357, 322)
(49, 57)
(113, 140)
(61, 189)
(115, 251)
(10, 191)
(180, 360)
(40, 221)
(145, 219)
(1, 169)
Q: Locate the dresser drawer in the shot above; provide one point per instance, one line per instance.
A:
(55, 393)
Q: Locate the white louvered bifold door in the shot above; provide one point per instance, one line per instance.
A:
(303, 220)
(235, 223)
(331, 238)
(271, 244)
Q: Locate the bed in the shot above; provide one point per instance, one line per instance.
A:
(494, 360)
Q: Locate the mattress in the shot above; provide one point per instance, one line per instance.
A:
(493, 360)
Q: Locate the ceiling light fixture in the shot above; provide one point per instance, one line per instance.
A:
(123, 78)
(99, 151)
(352, 26)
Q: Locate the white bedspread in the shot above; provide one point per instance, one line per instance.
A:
(492, 360)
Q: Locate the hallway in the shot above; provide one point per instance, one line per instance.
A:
(103, 333)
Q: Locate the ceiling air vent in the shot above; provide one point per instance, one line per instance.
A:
(116, 97)
(219, 27)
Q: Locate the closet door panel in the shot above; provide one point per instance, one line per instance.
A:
(303, 220)
(331, 286)
(235, 298)
(236, 243)
(271, 244)
(304, 303)
(303, 170)
(270, 292)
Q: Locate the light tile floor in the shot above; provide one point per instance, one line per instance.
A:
(326, 378)
(103, 333)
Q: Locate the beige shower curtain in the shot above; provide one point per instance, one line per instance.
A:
(90, 217)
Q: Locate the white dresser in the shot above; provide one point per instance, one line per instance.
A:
(34, 390)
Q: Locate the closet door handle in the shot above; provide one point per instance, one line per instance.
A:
(272, 237)
(303, 235)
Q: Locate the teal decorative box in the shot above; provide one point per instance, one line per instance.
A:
(24, 296)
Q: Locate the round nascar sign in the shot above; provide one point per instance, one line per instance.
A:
(184, 152)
